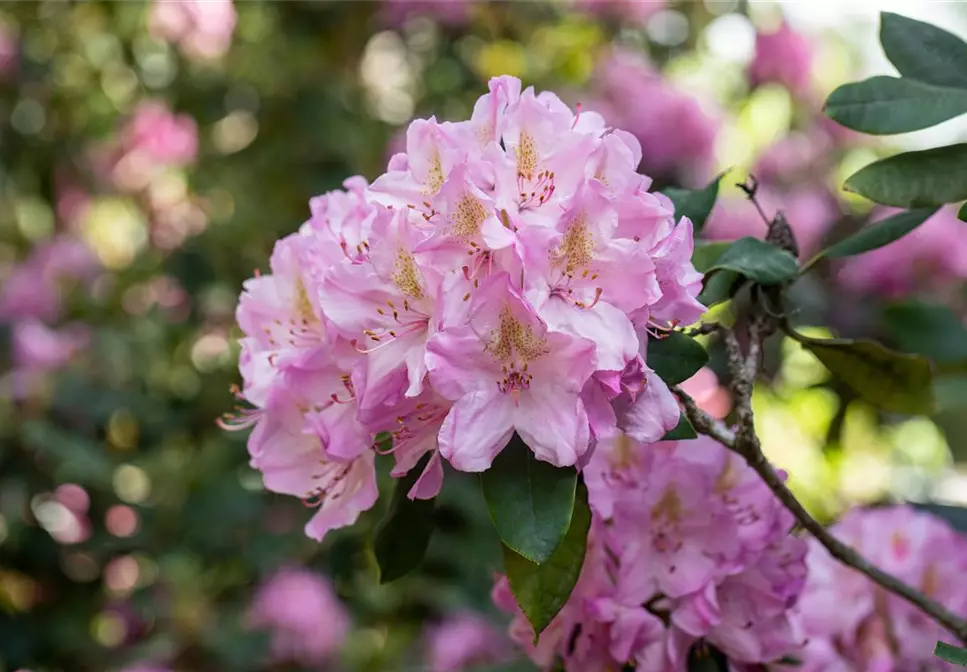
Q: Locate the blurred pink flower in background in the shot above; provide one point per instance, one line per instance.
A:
(782, 57)
(142, 667)
(307, 621)
(40, 348)
(8, 51)
(810, 211)
(677, 136)
(447, 12)
(629, 10)
(202, 28)
(463, 640)
(33, 289)
(160, 134)
(933, 257)
(851, 623)
(710, 396)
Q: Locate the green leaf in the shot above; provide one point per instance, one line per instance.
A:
(891, 380)
(719, 287)
(921, 179)
(923, 51)
(541, 590)
(758, 261)
(886, 105)
(676, 358)
(403, 536)
(952, 654)
(706, 253)
(879, 233)
(695, 204)
(703, 657)
(530, 501)
(929, 329)
(683, 431)
(962, 213)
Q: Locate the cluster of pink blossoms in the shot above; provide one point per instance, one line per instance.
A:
(501, 276)
(854, 625)
(686, 543)
(306, 619)
(932, 259)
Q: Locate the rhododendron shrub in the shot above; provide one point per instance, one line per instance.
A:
(687, 544)
(502, 276)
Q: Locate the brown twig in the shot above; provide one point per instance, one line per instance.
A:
(743, 368)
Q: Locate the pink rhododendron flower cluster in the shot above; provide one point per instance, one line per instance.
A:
(202, 28)
(501, 276)
(783, 57)
(463, 640)
(152, 140)
(932, 258)
(854, 625)
(32, 296)
(624, 80)
(686, 543)
(307, 621)
(791, 175)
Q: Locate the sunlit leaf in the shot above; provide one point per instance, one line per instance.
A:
(921, 179)
(891, 380)
(924, 52)
(887, 105)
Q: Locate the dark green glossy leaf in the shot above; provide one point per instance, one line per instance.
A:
(879, 233)
(952, 654)
(962, 213)
(402, 537)
(924, 52)
(676, 358)
(758, 261)
(887, 105)
(704, 657)
(530, 501)
(706, 253)
(921, 179)
(696, 204)
(720, 286)
(683, 431)
(929, 329)
(891, 380)
(541, 590)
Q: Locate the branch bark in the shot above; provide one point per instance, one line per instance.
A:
(744, 441)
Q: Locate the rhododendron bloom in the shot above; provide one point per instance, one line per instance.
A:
(783, 56)
(203, 28)
(502, 276)
(462, 641)
(686, 544)
(307, 621)
(852, 623)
